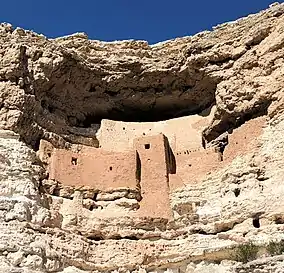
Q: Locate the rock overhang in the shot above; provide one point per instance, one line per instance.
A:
(73, 81)
(244, 59)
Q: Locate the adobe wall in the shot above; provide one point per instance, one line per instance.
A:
(150, 166)
(244, 139)
(146, 167)
(194, 165)
(152, 151)
(183, 133)
(95, 168)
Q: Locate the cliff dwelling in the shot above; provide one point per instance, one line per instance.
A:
(135, 158)
(142, 162)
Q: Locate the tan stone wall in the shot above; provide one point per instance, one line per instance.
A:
(193, 165)
(150, 158)
(104, 171)
(244, 139)
(150, 166)
(95, 168)
(183, 133)
(152, 151)
(45, 151)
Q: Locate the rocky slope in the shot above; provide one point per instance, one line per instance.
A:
(59, 89)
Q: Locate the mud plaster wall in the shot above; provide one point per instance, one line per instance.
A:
(147, 165)
(150, 159)
(183, 133)
(152, 152)
(244, 139)
(194, 165)
(95, 168)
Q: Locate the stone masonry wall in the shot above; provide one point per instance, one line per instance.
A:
(193, 165)
(183, 133)
(96, 168)
(145, 169)
(154, 176)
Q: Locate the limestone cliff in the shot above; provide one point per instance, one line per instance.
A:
(217, 97)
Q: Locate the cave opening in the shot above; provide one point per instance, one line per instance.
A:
(80, 112)
(139, 114)
(255, 222)
(177, 96)
(237, 192)
(230, 122)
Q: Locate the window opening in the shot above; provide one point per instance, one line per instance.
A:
(74, 161)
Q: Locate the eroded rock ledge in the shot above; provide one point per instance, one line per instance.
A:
(217, 100)
(54, 85)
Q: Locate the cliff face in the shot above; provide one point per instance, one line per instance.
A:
(55, 92)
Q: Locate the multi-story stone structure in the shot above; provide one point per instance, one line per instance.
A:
(151, 168)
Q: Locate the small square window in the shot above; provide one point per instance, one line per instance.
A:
(74, 161)
(147, 146)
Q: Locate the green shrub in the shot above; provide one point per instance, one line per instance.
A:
(275, 248)
(246, 252)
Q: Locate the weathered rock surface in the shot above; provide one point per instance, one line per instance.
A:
(60, 89)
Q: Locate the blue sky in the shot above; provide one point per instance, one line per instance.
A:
(151, 20)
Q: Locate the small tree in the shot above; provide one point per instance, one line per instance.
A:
(246, 252)
(275, 248)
